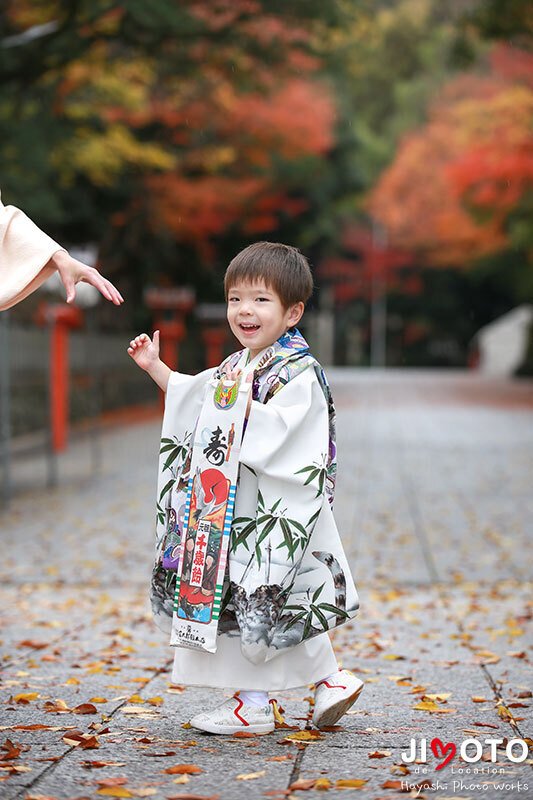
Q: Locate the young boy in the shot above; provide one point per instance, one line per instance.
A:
(250, 573)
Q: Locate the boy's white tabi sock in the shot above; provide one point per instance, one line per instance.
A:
(254, 698)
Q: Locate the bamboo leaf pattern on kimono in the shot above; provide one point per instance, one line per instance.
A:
(334, 610)
(308, 625)
(225, 600)
(316, 470)
(295, 619)
(287, 537)
(321, 618)
(299, 527)
(166, 447)
(276, 504)
(317, 593)
(239, 537)
(165, 488)
(266, 530)
(178, 451)
(175, 448)
(312, 519)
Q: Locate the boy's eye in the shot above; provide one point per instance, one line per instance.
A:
(263, 298)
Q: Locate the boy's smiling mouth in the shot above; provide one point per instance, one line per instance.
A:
(247, 327)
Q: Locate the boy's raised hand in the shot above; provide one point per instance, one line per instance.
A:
(144, 351)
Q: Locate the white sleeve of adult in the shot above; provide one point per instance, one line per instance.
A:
(25, 251)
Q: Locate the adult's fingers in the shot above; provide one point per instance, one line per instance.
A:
(70, 288)
(105, 287)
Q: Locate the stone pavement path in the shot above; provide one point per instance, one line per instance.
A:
(433, 502)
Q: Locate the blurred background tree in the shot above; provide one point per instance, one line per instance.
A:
(174, 134)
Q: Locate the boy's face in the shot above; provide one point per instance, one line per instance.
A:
(257, 317)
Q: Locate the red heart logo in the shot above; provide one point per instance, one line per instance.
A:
(440, 750)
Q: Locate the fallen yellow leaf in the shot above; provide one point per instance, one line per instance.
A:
(426, 705)
(433, 708)
(350, 783)
(155, 701)
(251, 776)
(304, 736)
(26, 697)
(147, 712)
(56, 705)
(504, 713)
(487, 656)
(114, 791)
(400, 769)
(442, 696)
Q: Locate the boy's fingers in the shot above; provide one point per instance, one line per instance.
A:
(156, 337)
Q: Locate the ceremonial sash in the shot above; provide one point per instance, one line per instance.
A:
(208, 515)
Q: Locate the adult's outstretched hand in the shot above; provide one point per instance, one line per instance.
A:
(71, 271)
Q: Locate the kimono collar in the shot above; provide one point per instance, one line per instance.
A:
(290, 345)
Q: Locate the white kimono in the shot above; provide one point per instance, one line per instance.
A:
(287, 578)
(24, 253)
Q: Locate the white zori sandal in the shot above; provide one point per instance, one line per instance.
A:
(334, 696)
(234, 715)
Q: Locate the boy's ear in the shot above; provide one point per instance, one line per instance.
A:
(296, 313)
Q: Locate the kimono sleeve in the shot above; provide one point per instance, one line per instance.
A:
(24, 253)
(292, 426)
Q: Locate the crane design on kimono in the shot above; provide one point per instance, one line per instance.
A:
(205, 507)
(266, 622)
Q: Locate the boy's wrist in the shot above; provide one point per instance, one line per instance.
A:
(159, 373)
(154, 368)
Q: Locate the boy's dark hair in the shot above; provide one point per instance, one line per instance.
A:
(282, 267)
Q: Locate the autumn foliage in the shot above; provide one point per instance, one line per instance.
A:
(365, 268)
(453, 183)
(232, 178)
(209, 145)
